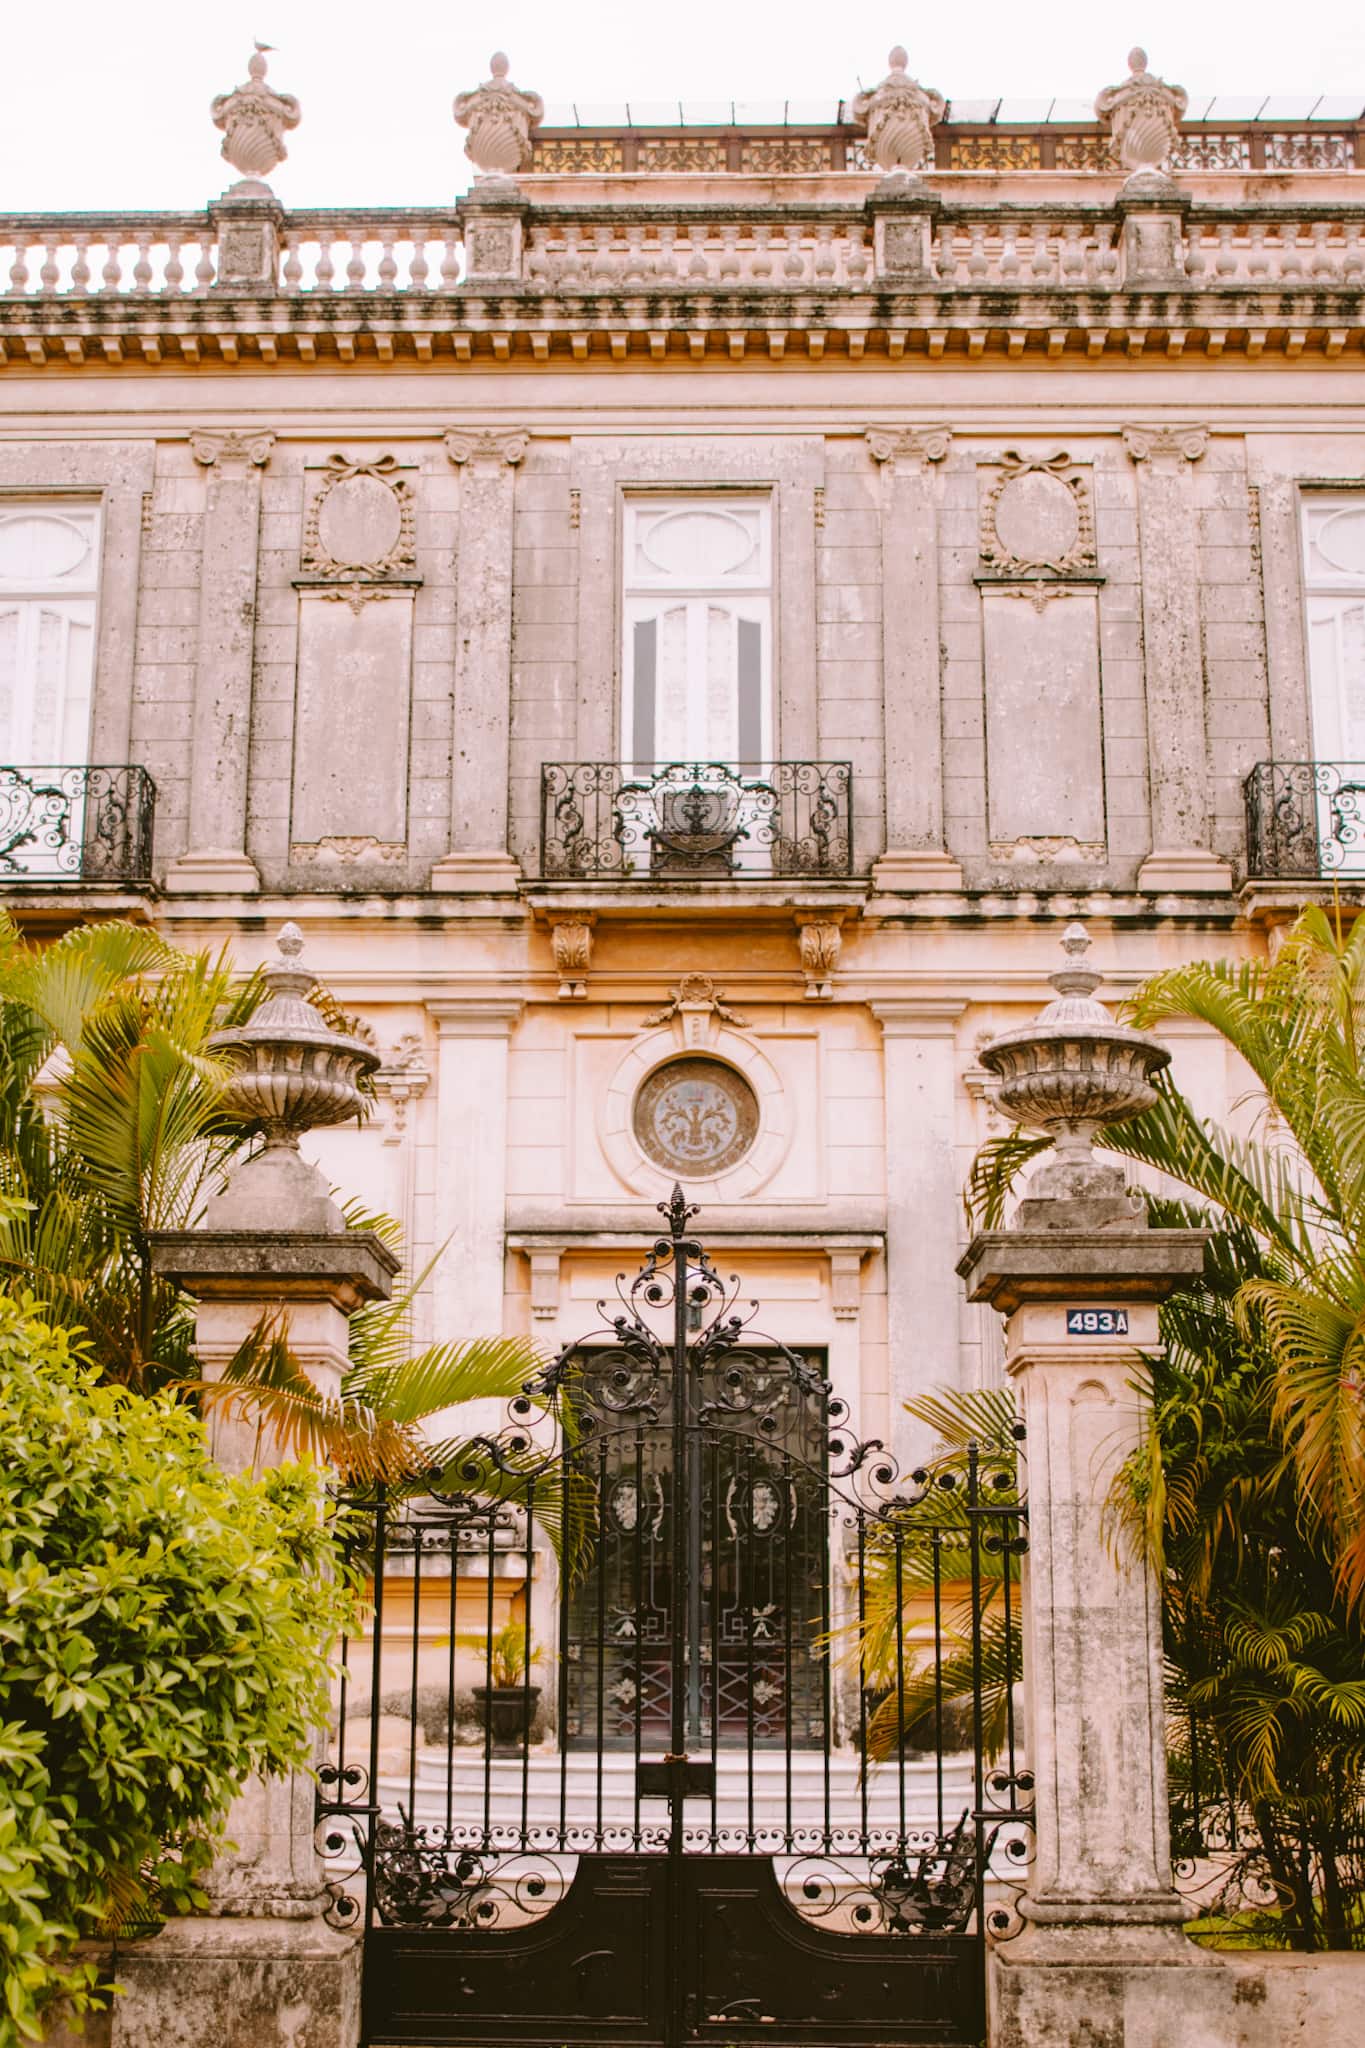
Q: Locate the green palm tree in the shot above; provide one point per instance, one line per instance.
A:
(1288, 1203)
(113, 1128)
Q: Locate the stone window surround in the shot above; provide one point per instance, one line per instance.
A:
(605, 472)
(116, 474)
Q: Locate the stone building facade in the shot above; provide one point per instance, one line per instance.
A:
(682, 631)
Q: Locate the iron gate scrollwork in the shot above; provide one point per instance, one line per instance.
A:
(687, 1720)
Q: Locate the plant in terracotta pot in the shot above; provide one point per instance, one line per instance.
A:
(507, 1702)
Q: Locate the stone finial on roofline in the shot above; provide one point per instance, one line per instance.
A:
(254, 119)
(499, 117)
(1143, 116)
(900, 114)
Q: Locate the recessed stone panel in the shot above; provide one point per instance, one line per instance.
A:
(351, 726)
(1044, 743)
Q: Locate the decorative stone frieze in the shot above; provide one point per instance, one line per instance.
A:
(360, 521)
(499, 117)
(254, 119)
(571, 944)
(232, 454)
(1037, 516)
(1143, 116)
(899, 115)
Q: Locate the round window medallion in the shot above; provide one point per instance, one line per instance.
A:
(695, 1117)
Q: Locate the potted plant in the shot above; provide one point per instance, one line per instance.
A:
(507, 1703)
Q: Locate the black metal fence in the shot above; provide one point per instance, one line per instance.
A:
(76, 824)
(696, 821)
(1305, 820)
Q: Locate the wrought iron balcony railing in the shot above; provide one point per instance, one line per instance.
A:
(695, 821)
(75, 825)
(1305, 820)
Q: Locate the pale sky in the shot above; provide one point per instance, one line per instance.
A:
(107, 107)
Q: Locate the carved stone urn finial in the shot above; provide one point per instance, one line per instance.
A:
(1143, 116)
(900, 114)
(1069, 1074)
(499, 117)
(254, 119)
(291, 1073)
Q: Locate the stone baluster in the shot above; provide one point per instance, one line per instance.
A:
(1177, 741)
(915, 857)
(1078, 1278)
(478, 861)
(265, 1970)
(217, 859)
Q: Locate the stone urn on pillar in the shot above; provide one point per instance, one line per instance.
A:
(1078, 1278)
(273, 1242)
(264, 1969)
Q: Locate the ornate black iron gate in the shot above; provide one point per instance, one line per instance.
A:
(772, 1792)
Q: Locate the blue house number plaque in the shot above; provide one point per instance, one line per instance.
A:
(1097, 1322)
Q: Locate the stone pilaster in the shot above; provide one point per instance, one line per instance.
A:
(217, 858)
(919, 1056)
(1177, 741)
(912, 693)
(471, 1130)
(478, 862)
(1279, 502)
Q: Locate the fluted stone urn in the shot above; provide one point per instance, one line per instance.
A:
(1069, 1074)
(291, 1073)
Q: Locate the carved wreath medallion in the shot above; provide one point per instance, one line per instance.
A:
(1037, 517)
(360, 521)
(695, 1117)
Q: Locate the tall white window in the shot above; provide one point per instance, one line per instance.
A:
(49, 572)
(697, 665)
(1334, 571)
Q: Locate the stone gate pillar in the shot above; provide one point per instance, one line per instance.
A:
(1078, 1278)
(265, 1970)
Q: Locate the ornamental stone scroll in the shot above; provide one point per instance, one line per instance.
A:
(1037, 517)
(360, 522)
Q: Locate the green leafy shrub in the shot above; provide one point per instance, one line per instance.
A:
(165, 1631)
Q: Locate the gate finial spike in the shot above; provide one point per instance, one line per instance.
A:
(676, 1210)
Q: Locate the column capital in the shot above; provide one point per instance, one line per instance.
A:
(477, 1018)
(1169, 450)
(233, 453)
(918, 1016)
(486, 449)
(910, 448)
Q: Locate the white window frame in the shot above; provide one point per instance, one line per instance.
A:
(746, 594)
(73, 600)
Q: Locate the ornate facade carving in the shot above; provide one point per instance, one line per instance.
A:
(233, 453)
(1037, 516)
(899, 115)
(695, 992)
(254, 119)
(360, 520)
(1167, 449)
(911, 448)
(571, 944)
(499, 117)
(1143, 116)
(821, 939)
(403, 1077)
(568, 154)
(486, 451)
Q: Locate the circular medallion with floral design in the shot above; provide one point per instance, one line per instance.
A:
(695, 1117)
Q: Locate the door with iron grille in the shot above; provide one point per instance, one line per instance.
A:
(687, 1721)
